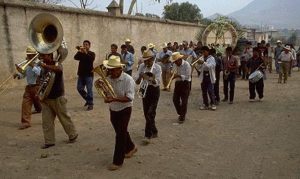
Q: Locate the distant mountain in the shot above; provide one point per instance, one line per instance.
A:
(214, 16)
(277, 13)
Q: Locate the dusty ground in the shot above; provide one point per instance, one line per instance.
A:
(243, 140)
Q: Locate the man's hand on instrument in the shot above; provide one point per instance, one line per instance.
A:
(176, 76)
(16, 75)
(109, 99)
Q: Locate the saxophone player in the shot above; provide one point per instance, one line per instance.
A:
(54, 104)
(32, 73)
(150, 72)
(120, 108)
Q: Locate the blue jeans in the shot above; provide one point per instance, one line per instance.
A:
(82, 82)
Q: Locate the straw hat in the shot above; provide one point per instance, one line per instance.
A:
(147, 55)
(127, 40)
(176, 56)
(278, 41)
(30, 50)
(113, 62)
(287, 47)
(151, 45)
(164, 45)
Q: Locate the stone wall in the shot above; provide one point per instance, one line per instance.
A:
(100, 28)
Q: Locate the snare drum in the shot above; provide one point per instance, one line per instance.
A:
(255, 76)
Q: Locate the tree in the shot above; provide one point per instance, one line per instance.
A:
(83, 3)
(133, 2)
(46, 1)
(293, 38)
(182, 12)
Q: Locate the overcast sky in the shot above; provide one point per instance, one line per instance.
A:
(208, 7)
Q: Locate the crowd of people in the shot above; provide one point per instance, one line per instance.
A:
(156, 69)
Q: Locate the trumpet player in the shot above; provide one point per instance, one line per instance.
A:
(150, 72)
(32, 73)
(182, 85)
(207, 78)
(229, 76)
(85, 79)
(120, 110)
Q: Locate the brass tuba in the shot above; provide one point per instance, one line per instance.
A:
(46, 37)
(103, 86)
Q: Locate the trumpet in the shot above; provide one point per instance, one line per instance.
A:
(172, 77)
(79, 47)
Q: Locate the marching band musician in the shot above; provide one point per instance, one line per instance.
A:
(86, 59)
(55, 104)
(182, 85)
(32, 73)
(229, 74)
(120, 110)
(164, 58)
(208, 78)
(254, 63)
(150, 72)
(129, 47)
(128, 59)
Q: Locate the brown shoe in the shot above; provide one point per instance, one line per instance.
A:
(113, 167)
(46, 146)
(72, 140)
(24, 126)
(130, 153)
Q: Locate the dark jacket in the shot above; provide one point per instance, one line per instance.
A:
(86, 61)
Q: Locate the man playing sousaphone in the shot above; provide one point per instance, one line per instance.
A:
(120, 110)
(150, 72)
(32, 73)
(164, 58)
(182, 75)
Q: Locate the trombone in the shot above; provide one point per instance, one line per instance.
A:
(172, 78)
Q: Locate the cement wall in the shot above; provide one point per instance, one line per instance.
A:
(100, 28)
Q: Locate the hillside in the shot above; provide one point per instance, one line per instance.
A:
(278, 13)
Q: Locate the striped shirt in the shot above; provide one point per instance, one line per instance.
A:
(184, 70)
(156, 71)
(123, 86)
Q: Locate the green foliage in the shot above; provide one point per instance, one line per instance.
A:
(182, 12)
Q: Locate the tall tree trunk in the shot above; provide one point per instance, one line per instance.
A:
(121, 4)
(131, 6)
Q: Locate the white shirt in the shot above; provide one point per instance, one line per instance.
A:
(286, 57)
(184, 70)
(123, 86)
(210, 66)
(156, 71)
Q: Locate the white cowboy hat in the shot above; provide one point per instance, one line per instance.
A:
(278, 41)
(151, 45)
(147, 55)
(287, 47)
(30, 50)
(176, 56)
(127, 40)
(113, 62)
(164, 45)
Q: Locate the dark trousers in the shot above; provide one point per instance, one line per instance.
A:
(86, 82)
(259, 87)
(207, 88)
(231, 80)
(244, 70)
(216, 86)
(149, 106)
(181, 97)
(124, 144)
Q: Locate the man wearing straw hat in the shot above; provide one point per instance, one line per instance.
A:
(129, 47)
(277, 51)
(32, 73)
(182, 75)
(150, 72)
(164, 58)
(285, 59)
(120, 110)
(151, 47)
